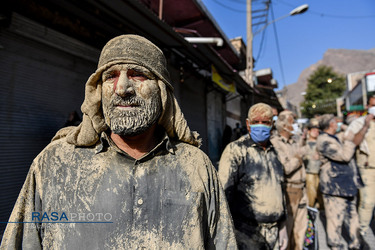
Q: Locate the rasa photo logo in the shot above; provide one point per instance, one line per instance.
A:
(63, 217)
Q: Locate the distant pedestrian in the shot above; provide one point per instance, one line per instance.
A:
(237, 133)
(227, 135)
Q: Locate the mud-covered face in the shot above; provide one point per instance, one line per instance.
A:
(131, 99)
(314, 133)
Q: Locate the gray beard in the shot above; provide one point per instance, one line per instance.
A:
(136, 121)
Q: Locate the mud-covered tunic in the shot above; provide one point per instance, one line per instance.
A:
(339, 175)
(168, 199)
(252, 179)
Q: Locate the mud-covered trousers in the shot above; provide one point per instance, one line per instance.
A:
(312, 189)
(339, 209)
(366, 198)
(256, 236)
(297, 216)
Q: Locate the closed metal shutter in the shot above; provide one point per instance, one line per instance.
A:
(191, 96)
(215, 120)
(43, 74)
(192, 99)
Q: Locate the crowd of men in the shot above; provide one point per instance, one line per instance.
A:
(134, 158)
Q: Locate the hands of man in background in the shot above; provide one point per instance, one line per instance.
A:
(283, 236)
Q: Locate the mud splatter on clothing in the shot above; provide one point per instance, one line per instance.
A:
(289, 153)
(169, 199)
(253, 182)
(339, 183)
(339, 174)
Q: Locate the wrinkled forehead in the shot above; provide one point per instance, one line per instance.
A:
(259, 116)
(128, 66)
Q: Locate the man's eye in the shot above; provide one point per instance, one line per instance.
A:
(139, 76)
(110, 75)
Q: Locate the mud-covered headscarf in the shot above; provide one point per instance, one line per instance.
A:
(140, 51)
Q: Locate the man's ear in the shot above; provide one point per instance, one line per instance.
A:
(248, 125)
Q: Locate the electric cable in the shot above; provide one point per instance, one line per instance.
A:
(278, 47)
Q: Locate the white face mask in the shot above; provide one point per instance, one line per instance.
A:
(371, 110)
(292, 132)
(295, 128)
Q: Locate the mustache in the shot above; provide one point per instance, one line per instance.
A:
(127, 101)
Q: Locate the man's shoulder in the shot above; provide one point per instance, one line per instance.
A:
(186, 149)
(57, 145)
(194, 162)
(243, 141)
(275, 136)
(322, 136)
(61, 149)
(277, 140)
(323, 139)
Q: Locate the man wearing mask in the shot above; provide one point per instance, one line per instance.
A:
(312, 163)
(290, 155)
(365, 158)
(130, 176)
(252, 178)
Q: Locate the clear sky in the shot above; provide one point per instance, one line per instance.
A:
(302, 39)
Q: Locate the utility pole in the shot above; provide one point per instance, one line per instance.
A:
(249, 46)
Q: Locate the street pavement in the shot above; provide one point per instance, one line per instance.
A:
(320, 225)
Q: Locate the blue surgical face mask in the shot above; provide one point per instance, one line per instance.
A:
(260, 133)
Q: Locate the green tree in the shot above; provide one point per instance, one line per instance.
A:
(323, 87)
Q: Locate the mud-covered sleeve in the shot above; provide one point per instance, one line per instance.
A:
(354, 127)
(228, 169)
(220, 220)
(287, 157)
(21, 232)
(333, 150)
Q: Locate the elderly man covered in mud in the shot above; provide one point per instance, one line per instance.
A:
(130, 175)
(339, 182)
(252, 178)
(290, 155)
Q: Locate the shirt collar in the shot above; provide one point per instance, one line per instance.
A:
(333, 136)
(254, 144)
(165, 144)
(290, 140)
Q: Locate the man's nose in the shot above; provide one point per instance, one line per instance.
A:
(124, 85)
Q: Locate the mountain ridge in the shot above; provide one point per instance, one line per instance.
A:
(343, 61)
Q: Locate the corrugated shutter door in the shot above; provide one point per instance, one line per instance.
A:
(40, 86)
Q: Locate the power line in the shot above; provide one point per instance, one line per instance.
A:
(278, 47)
(260, 46)
(326, 15)
(338, 16)
(228, 7)
(263, 34)
(261, 3)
